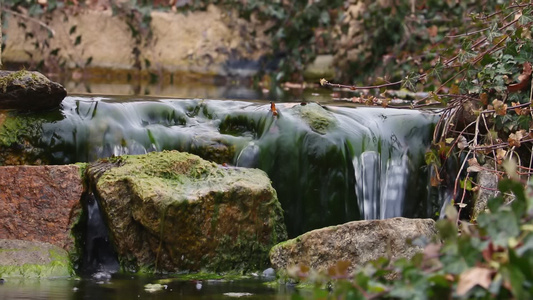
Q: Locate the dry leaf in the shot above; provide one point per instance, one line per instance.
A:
(500, 155)
(432, 251)
(523, 79)
(484, 98)
(514, 138)
(273, 109)
(433, 31)
(462, 142)
(473, 165)
(472, 277)
(434, 181)
(454, 89)
(517, 110)
(513, 142)
(340, 269)
(298, 271)
(500, 107)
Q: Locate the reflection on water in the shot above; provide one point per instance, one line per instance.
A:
(235, 90)
(124, 287)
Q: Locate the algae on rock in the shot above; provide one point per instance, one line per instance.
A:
(24, 259)
(318, 119)
(173, 211)
(29, 91)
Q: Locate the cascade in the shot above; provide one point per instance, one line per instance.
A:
(329, 165)
(99, 256)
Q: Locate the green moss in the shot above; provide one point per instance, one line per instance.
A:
(82, 168)
(192, 205)
(15, 129)
(59, 267)
(319, 119)
(8, 80)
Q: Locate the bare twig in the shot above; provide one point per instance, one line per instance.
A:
(31, 20)
(324, 82)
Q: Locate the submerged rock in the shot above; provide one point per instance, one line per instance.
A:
(40, 203)
(357, 242)
(25, 90)
(318, 119)
(24, 259)
(173, 211)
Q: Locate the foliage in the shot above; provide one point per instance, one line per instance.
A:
(490, 260)
(404, 36)
(483, 79)
(298, 30)
(484, 85)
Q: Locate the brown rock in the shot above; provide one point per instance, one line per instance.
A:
(173, 211)
(39, 203)
(24, 90)
(357, 242)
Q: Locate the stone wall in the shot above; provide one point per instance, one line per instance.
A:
(201, 41)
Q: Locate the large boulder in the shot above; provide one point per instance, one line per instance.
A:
(40, 203)
(173, 211)
(24, 259)
(25, 90)
(357, 242)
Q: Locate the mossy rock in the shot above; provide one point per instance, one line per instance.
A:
(18, 138)
(172, 211)
(29, 91)
(25, 259)
(319, 119)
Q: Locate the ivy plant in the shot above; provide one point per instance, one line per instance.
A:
(490, 260)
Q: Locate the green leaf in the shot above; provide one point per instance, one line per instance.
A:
(78, 40)
(72, 30)
(515, 278)
(324, 17)
(494, 203)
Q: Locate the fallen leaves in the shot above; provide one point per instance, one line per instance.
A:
(514, 138)
(462, 143)
(340, 269)
(472, 277)
(499, 107)
(500, 155)
(273, 109)
(473, 165)
(524, 79)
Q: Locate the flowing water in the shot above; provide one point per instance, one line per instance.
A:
(328, 164)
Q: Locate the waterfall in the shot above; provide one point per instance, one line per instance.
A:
(99, 255)
(329, 165)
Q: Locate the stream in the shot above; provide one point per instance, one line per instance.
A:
(124, 287)
(329, 164)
